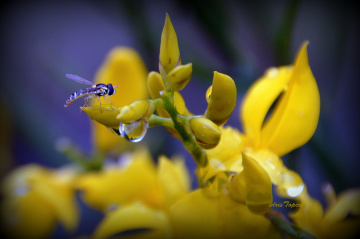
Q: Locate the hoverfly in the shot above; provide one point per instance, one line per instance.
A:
(96, 90)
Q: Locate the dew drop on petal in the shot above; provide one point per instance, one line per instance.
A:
(134, 131)
(295, 191)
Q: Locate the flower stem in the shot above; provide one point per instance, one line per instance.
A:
(188, 139)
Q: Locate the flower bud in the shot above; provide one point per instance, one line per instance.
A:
(137, 110)
(179, 77)
(207, 133)
(221, 99)
(169, 48)
(106, 115)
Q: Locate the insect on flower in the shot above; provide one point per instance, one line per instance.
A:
(96, 90)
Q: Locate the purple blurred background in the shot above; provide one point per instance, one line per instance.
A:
(42, 41)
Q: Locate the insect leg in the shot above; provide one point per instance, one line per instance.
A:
(99, 103)
(109, 101)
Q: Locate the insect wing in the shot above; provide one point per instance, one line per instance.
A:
(79, 79)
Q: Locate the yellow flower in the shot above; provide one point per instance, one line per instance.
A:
(332, 222)
(135, 194)
(125, 69)
(290, 125)
(34, 199)
(199, 216)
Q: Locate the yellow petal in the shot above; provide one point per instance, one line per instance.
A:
(196, 216)
(38, 193)
(272, 164)
(140, 109)
(348, 203)
(179, 77)
(132, 217)
(222, 99)
(29, 216)
(207, 133)
(199, 216)
(105, 116)
(295, 117)
(258, 184)
(259, 98)
(125, 69)
(309, 214)
(115, 186)
(174, 179)
(169, 48)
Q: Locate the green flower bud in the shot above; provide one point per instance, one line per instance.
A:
(179, 77)
(221, 99)
(140, 109)
(207, 133)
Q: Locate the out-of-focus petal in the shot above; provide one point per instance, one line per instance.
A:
(347, 203)
(125, 69)
(196, 216)
(309, 214)
(134, 217)
(22, 218)
(174, 179)
(199, 216)
(33, 192)
(296, 115)
(120, 185)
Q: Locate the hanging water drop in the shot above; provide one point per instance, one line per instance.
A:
(134, 131)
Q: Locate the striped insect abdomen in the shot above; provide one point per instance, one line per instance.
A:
(77, 94)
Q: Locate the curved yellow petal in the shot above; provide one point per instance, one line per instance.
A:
(169, 48)
(207, 133)
(258, 185)
(179, 77)
(272, 164)
(259, 98)
(347, 203)
(105, 116)
(125, 69)
(295, 117)
(222, 99)
(132, 217)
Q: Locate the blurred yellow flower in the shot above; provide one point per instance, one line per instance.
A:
(334, 222)
(135, 194)
(34, 199)
(125, 69)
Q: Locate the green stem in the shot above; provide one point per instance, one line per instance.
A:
(188, 139)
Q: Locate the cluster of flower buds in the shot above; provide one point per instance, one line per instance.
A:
(133, 120)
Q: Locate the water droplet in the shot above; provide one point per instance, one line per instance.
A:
(208, 93)
(134, 131)
(295, 191)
